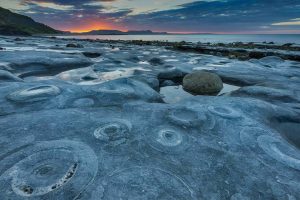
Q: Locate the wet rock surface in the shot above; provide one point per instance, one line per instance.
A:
(77, 127)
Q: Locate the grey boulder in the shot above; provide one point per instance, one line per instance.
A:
(202, 83)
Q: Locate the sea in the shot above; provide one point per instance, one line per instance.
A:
(204, 38)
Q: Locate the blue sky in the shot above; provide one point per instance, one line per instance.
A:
(206, 16)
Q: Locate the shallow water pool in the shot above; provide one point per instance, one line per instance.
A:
(174, 94)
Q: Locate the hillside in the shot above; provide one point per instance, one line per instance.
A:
(16, 24)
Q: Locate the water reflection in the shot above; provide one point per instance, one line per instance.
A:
(174, 94)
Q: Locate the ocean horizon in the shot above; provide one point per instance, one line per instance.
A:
(203, 38)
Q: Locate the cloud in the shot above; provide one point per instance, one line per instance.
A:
(53, 5)
(139, 6)
(13, 5)
(220, 16)
(291, 23)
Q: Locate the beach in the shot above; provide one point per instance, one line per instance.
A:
(113, 118)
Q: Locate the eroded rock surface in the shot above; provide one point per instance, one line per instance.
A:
(111, 136)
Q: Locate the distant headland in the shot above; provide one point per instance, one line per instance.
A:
(118, 32)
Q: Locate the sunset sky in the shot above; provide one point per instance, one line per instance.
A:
(185, 16)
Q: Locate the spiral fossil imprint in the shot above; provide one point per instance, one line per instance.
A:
(113, 132)
(168, 139)
(52, 169)
(263, 144)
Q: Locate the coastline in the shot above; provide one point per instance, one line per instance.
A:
(112, 118)
(236, 50)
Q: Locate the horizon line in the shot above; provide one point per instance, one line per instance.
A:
(291, 32)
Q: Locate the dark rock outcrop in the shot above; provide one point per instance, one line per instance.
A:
(156, 61)
(91, 54)
(257, 54)
(73, 45)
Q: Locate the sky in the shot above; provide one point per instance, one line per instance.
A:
(176, 16)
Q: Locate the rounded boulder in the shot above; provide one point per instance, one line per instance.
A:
(202, 83)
